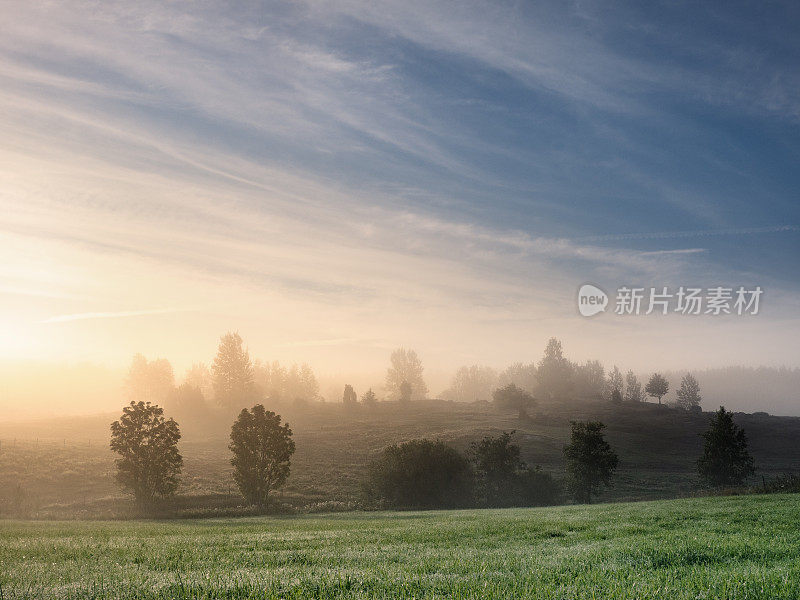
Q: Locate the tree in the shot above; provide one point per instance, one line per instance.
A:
(470, 384)
(149, 463)
(689, 393)
(405, 392)
(615, 384)
(726, 460)
(633, 389)
(262, 449)
(406, 367)
(199, 376)
(420, 474)
(657, 387)
(521, 375)
(233, 373)
(349, 397)
(503, 479)
(589, 378)
(369, 398)
(590, 460)
(554, 373)
(149, 381)
(188, 401)
(511, 397)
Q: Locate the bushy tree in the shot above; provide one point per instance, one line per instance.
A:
(589, 378)
(199, 376)
(420, 474)
(149, 381)
(503, 479)
(615, 384)
(149, 463)
(471, 383)
(521, 375)
(554, 372)
(262, 449)
(590, 460)
(349, 397)
(233, 373)
(405, 370)
(689, 393)
(657, 387)
(369, 398)
(513, 398)
(726, 460)
(188, 401)
(633, 389)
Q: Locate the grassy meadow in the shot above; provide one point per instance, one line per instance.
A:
(716, 547)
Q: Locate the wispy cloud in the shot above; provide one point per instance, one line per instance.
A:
(120, 314)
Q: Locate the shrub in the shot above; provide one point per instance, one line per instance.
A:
(420, 474)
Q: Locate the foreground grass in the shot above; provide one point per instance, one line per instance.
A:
(734, 547)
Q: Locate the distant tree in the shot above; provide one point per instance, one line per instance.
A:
(513, 398)
(406, 392)
(554, 372)
(406, 367)
(369, 398)
(589, 378)
(726, 460)
(199, 376)
(262, 449)
(349, 398)
(420, 474)
(471, 383)
(633, 389)
(590, 460)
(149, 463)
(657, 387)
(521, 375)
(689, 393)
(188, 402)
(233, 373)
(615, 384)
(149, 381)
(503, 479)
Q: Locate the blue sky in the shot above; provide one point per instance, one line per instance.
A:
(335, 179)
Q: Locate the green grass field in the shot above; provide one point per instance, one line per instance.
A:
(724, 547)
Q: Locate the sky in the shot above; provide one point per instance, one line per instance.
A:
(337, 179)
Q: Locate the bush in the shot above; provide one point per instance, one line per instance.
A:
(420, 474)
(504, 480)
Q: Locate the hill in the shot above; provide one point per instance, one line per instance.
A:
(64, 468)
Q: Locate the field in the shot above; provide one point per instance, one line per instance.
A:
(64, 469)
(721, 547)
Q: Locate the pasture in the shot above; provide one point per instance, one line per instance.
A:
(716, 547)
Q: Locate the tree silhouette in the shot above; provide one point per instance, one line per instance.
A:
(725, 460)
(147, 443)
(406, 367)
(233, 373)
(689, 393)
(349, 397)
(369, 398)
(657, 387)
(262, 449)
(633, 389)
(554, 373)
(590, 460)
